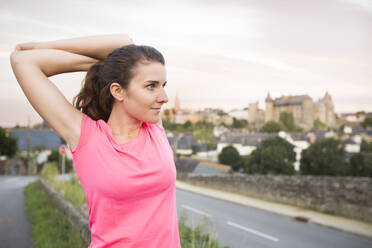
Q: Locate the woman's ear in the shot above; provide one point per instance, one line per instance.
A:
(117, 91)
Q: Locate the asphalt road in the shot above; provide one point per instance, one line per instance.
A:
(14, 225)
(231, 224)
(240, 226)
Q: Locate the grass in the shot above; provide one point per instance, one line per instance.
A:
(196, 238)
(50, 228)
(330, 212)
(72, 191)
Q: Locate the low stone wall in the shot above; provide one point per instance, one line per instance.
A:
(344, 196)
(77, 219)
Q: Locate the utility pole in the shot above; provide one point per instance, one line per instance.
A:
(62, 151)
(63, 163)
(28, 146)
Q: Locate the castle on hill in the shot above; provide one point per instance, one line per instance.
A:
(305, 111)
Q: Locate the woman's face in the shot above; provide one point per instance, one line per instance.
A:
(145, 94)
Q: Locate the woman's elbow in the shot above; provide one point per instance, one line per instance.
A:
(15, 58)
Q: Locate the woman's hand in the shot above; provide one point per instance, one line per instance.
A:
(96, 47)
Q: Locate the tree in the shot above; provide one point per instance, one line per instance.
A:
(38, 125)
(318, 125)
(367, 122)
(221, 113)
(287, 120)
(272, 127)
(274, 156)
(239, 123)
(8, 144)
(167, 114)
(201, 130)
(366, 146)
(187, 125)
(230, 156)
(56, 157)
(360, 165)
(324, 157)
(49, 171)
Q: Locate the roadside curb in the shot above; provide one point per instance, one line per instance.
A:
(77, 219)
(336, 222)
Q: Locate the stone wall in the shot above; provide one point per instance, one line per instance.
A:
(77, 218)
(345, 196)
(7, 166)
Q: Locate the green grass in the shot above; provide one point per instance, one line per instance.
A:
(72, 191)
(50, 228)
(330, 212)
(198, 237)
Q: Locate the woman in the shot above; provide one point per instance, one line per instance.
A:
(121, 154)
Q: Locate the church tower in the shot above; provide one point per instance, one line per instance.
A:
(253, 113)
(330, 110)
(269, 108)
(177, 105)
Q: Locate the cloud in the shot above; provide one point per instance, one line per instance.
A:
(7, 16)
(364, 4)
(244, 55)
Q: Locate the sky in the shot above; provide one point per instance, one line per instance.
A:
(219, 54)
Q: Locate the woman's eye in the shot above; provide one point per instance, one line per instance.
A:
(154, 85)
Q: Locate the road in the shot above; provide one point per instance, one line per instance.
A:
(240, 226)
(231, 224)
(15, 228)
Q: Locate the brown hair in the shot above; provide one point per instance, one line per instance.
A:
(94, 98)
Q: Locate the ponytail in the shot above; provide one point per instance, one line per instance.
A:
(95, 99)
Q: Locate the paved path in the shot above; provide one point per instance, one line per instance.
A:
(344, 224)
(239, 226)
(15, 228)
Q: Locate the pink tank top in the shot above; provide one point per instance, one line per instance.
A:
(129, 188)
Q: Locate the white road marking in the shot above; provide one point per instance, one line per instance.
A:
(196, 211)
(253, 231)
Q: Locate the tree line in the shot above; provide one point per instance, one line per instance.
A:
(323, 157)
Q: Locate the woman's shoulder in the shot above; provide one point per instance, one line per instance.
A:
(87, 129)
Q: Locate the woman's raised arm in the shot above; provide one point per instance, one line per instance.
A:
(97, 47)
(32, 69)
(33, 63)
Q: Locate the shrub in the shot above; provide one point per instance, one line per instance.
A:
(49, 171)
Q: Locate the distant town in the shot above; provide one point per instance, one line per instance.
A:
(203, 134)
(307, 121)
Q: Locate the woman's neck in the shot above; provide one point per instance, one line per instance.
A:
(124, 127)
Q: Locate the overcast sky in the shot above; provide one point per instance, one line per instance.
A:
(218, 53)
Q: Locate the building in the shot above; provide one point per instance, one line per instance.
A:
(305, 111)
(301, 106)
(180, 115)
(46, 139)
(256, 116)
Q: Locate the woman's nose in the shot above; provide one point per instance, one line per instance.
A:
(163, 96)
